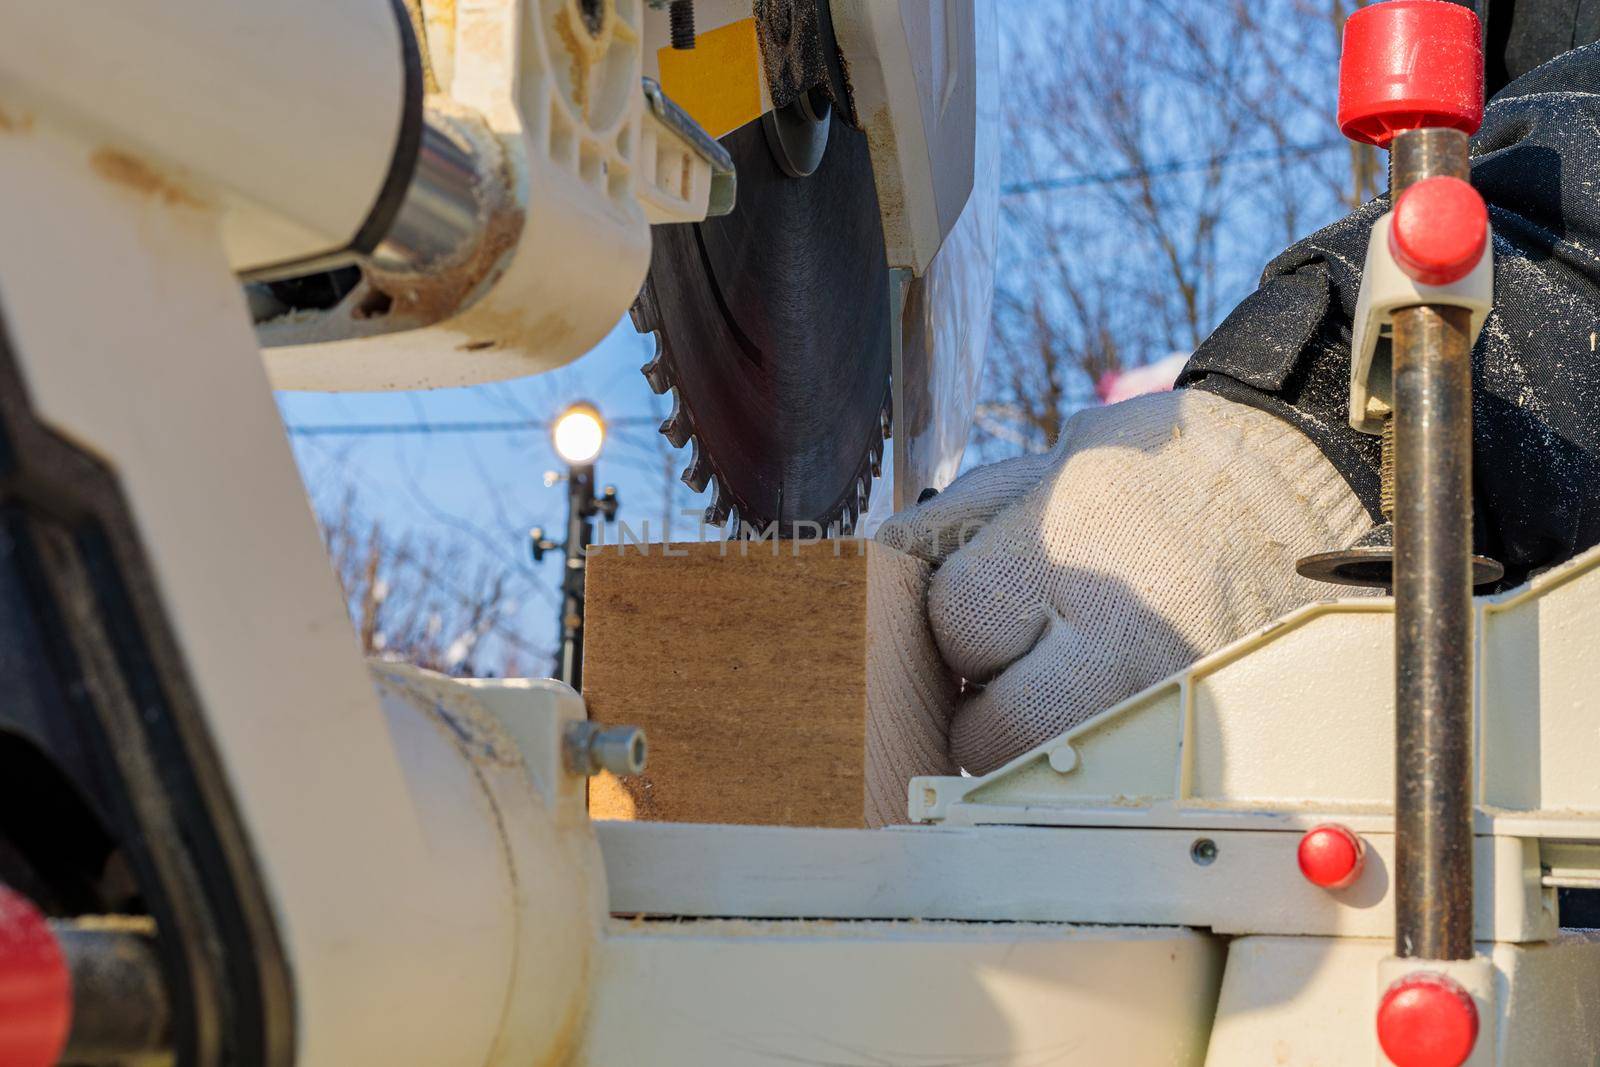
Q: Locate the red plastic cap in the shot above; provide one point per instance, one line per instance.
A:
(1331, 856)
(1427, 1020)
(1439, 230)
(35, 987)
(1408, 64)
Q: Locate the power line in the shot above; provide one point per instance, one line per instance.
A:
(1010, 189)
(364, 429)
(1161, 170)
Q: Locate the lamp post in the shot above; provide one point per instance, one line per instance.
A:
(578, 435)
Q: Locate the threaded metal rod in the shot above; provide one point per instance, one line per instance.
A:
(1386, 470)
(680, 16)
(1432, 458)
(121, 1007)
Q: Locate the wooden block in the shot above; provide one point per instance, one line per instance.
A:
(784, 684)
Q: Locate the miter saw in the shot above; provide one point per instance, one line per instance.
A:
(223, 840)
(804, 180)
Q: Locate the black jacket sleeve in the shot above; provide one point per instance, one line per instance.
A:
(1536, 368)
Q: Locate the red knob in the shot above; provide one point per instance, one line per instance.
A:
(1427, 1020)
(35, 988)
(1331, 856)
(1408, 64)
(1439, 230)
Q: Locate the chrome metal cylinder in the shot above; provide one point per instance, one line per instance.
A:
(443, 213)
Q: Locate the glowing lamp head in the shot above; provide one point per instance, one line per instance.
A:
(579, 434)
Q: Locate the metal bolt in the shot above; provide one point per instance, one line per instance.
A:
(1203, 851)
(681, 19)
(588, 748)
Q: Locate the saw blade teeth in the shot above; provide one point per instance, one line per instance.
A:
(698, 472)
(875, 458)
(675, 427)
(643, 310)
(863, 493)
(886, 420)
(655, 372)
(717, 510)
(735, 527)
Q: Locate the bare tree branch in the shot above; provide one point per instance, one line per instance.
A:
(1193, 122)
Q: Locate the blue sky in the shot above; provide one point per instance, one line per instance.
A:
(477, 494)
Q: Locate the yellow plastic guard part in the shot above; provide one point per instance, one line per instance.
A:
(719, 81)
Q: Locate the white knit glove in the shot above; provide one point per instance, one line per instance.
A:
(1156, 531)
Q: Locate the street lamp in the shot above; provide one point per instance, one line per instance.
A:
(578, 434)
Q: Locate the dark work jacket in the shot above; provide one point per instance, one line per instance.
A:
(1536, 366)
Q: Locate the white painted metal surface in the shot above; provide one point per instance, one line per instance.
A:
(910, 66)
(870, 994)
(567, 108)
(548, 905)
(674, 181)
(413, 869)
(943, 329)
(1310, 1002)
(1294, 724)
(200, 96)
(1251, 884)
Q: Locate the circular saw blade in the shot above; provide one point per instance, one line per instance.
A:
(773, 334)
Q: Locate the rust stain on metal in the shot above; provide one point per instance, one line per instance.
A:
(549, 329)
(581, 50)
(422, 299)
(133, 173)
(15, 123)
(568, 1040)
(419, 30)
(440, 17)
(880, 139)
(480, 38)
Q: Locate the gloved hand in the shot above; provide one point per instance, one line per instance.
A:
(1156, 531)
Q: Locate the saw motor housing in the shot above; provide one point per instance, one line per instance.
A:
(560, 112)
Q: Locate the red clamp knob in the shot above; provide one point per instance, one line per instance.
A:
(1439, 230)
(1331, 856)
(35, 987)
(1407, 64)
(1427, 1020)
